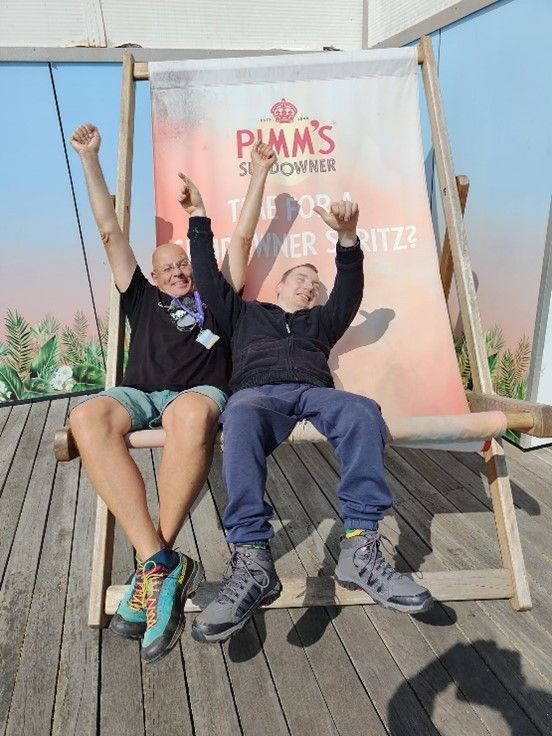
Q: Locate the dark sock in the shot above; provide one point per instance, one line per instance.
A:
(166, 557)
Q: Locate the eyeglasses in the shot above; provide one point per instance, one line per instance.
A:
(170, 267)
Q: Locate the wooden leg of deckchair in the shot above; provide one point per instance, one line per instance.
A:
(506, 524)
(102, 559)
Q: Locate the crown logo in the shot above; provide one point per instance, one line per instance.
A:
(284, 111)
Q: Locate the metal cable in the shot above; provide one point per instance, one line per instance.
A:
(76, 208)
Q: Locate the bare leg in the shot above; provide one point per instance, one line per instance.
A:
(190, 423)
(98, 426)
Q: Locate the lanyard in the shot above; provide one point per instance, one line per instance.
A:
(199, 316)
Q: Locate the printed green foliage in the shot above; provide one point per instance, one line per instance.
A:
(46, 359)
(508, 369)
(10, 383)
(19, 344)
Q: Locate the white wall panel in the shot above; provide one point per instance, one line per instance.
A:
(241, 24)
(43, 23)
(287, 24)
(397, 22)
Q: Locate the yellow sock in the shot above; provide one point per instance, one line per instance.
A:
(354, 532)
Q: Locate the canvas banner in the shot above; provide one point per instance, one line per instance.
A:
(345, 126)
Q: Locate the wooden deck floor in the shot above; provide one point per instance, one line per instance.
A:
(464, 669)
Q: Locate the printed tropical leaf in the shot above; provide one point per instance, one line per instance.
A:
(3, 349)
(506, 383)
(92, 353)
(19, 348)
(36, 387)
(494, 340)
(90, 375)
(46, 362)
(10, 378)
(508, 370)
(45, 329)
(522, 357)
(80, 326)
(103, 323)
(72, 347)
(465, 369)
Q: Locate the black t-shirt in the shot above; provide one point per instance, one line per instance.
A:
(164, 352)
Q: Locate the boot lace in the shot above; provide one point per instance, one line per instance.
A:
(152, 580)
(239, 576)
(137, 599)
(370, 561)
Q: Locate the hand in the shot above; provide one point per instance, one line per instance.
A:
(86, 138)
(263, 157)
(343, 216)
(189, 197)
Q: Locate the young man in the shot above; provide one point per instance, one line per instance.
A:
(280, 376)
(174, 378)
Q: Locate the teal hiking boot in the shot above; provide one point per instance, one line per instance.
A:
(130, 619)
(165, 595)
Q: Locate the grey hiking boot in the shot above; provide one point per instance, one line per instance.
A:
(250, 581)
(361, 565)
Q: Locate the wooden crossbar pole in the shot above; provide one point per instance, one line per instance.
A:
(446, 266)
(297, 592)
(103, 534)
(141, 68)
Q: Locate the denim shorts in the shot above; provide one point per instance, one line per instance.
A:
(146, 409)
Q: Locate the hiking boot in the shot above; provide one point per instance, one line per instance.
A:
(165, 595)
(361, 565)
(130, 619)
(251, 581)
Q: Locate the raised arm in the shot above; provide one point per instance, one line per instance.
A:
(224, 302)
(346, 295)
(86, 142)
(235, 262)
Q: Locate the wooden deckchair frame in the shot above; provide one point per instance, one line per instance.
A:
(510, 581)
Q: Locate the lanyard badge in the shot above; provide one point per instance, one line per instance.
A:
(206, 337)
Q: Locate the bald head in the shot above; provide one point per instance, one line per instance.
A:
(172, 272)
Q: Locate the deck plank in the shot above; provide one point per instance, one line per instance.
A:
(16, 594)
(78, 685)
(11, 434)
(17, 479)
(4, 415)
(35, 687)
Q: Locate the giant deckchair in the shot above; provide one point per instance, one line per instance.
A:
(485, 419)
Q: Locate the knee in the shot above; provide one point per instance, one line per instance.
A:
(194, 421)
(242, 412)
(96, 417)
(361, 409)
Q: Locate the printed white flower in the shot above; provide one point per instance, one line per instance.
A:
(62, 380)
(5, 393)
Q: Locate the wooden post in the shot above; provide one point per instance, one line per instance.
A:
(103, 535)
(446, 266)
(501, 492)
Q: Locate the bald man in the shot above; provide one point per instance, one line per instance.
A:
(176, 377)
